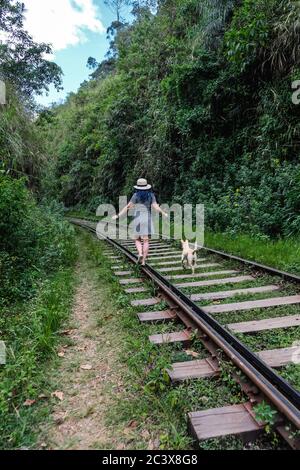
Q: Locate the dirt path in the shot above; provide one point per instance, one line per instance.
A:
(87, 376)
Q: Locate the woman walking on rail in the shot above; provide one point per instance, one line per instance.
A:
(143, 201)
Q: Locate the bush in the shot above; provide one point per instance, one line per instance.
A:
(33, 241)
(30, 332)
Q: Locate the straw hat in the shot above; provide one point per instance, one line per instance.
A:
(142, 185)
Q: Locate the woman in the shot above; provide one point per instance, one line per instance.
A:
(143, 201)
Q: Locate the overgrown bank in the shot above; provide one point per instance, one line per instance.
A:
(37, 247)
(37, 255)
(34, 241)
(30, 332)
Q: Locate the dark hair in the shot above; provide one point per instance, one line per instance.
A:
(143, 196)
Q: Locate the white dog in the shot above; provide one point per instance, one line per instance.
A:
(189, 255)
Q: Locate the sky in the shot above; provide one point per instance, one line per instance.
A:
(76, 29)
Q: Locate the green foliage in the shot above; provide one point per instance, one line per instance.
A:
(30, 333)
(249, 32)
(283, 254)
(20, 143)
(32, 241)
(266, 414)
(199, 101)
(22, 61)
(264, 35)
(37, 248)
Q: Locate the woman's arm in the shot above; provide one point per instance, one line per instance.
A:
(123, 211)
(158, 209)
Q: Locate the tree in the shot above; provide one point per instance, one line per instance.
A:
(215, 15)
(117, 6)
(22, 61)
(105, 68)
(114, 32)
(143, 6)
(92, 63)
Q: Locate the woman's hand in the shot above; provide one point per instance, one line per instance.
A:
(115, 217)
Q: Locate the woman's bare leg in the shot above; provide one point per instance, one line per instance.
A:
(145, 249)
(139, 246)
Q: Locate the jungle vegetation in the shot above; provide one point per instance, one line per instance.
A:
(34, 239)
(37, 247)
(195, 95)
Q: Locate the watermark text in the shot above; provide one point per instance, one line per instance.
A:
(2, 353)
(177, 222)
(2, 93)
(296, 94)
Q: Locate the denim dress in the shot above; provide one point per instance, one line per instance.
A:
(142, 224)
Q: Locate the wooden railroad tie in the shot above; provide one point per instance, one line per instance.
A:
(215, 282)
(166, 254)
(231, 293)
(122, 273)
(176, 337)
(171, 263)
(199, 275)
(136, 290)
(125, 282)
(264, 325)
(225, 421)
(265, 303)
(162, 315)
(146, 302)
(203, 368)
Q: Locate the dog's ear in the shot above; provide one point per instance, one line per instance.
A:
(196, 248)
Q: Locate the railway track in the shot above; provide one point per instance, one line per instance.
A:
(228, 303)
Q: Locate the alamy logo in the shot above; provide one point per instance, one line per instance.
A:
(179, 222)
(296, 94)
(2, 92)
(2, 353)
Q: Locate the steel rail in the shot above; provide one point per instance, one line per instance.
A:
(284, 397)
(252, 264)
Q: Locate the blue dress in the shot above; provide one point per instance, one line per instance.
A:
(142, 224)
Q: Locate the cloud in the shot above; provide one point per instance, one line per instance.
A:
(62, 23)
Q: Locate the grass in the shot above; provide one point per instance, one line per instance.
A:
(282, 254)
(30, 331)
